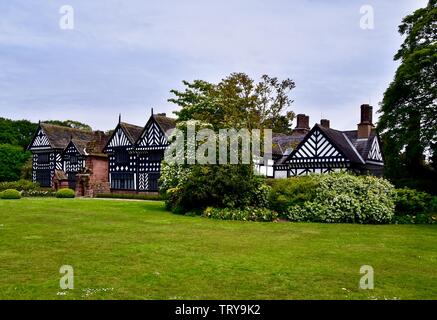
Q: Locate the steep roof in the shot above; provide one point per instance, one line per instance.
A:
(59, 137)
(86, 142)
(281, 142)
(343, 143)
(132, 131)
(362, 145)
(166, 123)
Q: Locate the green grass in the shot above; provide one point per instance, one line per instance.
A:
(137, 250)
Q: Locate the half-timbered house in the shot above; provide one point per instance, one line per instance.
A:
(60, 154)
(135, 154)
(150, 149)
(324, 150)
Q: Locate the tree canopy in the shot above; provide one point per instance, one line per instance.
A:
(408, 121)
(238, 101)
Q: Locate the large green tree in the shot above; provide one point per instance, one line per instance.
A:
(238, 101)
(70, 124)
(408, 121)
(12, 159)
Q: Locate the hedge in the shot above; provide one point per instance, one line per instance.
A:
(65, 193)
(10, 194)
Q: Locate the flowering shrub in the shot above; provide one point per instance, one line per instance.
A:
(345, 198)
(245, 214)
(38, 193)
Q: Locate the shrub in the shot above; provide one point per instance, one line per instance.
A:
(10, 194)
(65, 193)
(412, 202)
(339, 198)
(289, 192)
(197, 187)
(38, 193)
(245, 214)
(20, 185)
(129, 196)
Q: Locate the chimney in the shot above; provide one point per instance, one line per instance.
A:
(325, 123)
(303, 124)
(366, 125)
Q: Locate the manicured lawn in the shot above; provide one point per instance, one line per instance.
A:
(137, 250)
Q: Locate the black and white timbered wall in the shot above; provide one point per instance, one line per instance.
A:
(45, 159)
(122, 161)
(315, 154)
(136, 165)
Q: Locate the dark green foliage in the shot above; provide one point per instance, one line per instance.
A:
(10, 194)
(233, 186)
(292, 191)
(130, 196)
(20, 185)
(412, 202)
(12, 159)
(245, 214)
(65, 193)
(408, 121)
(17, 133)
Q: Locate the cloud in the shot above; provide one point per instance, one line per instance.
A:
(126, 56)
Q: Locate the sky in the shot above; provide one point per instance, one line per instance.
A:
(125, 56)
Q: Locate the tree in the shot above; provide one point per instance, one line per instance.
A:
(17, 133)
(12, 159)
(70, 124)
(236, 102)
(408, 121)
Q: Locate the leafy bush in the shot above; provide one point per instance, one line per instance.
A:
(20, 185)
(340, 198)
(412, 202)
(10, 194)
(245, 214)
(130, 196)
(418, 219)
(289, 192)
(65, 193)
(197, 187)
(38, 193)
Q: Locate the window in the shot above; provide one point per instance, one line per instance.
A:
(122, 157)
(43, 158)
(155, 156)
(43, 177)
(122, 181)
(73, 159)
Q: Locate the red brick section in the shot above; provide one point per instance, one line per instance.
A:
(365, 126)
(95, 179)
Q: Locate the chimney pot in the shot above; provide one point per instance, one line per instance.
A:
(303, 124)
(325, 123)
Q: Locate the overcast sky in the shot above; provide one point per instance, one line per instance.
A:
(125, 56)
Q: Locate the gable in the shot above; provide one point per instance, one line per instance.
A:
(316, 146)
(375, 151)
(118, 139)
(40, 141)
(152, 137)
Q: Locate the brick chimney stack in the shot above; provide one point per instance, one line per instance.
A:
(366, 125)
(303, 124)
(325, 123)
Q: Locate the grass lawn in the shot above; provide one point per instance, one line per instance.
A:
(137, 250)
